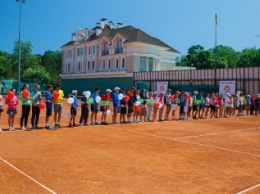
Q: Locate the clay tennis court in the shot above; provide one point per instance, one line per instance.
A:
(198, 156)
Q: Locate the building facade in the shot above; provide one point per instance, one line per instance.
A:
(108, 56)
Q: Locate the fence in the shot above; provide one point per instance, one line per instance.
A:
(247, 79)
(11, 83)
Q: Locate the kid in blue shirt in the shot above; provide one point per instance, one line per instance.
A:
(73, 109)
(48, 101)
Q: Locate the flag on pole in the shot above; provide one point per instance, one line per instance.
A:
(216, 19)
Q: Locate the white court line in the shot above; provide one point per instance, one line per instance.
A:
(29, 177)
(219, 133)
(250, 188)
(188, 142)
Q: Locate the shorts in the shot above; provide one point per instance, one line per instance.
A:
(241, 107)
(123, 110)
(103, 108)
(94, 108)
(189, 109)
(201, 107)
(48, 112)
(174, 107)
(57, 108)
(1, 110)
(257, 107)
(168, 105)
(11, 111)
(195, 107)
(73, 111)
(116, 109)
(130, 109)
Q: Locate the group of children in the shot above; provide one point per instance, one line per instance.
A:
(131, 106)
(140, 106)
(33, 101)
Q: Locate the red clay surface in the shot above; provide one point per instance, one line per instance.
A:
(198, 156)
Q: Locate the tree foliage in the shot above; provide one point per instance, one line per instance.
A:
(220, 57)
(33, 67)
(36, 74)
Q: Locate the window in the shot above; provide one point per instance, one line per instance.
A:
(109, 64)
(79, 66)
(94, 49)
(150, 64)
(117, 64)
(68, 67)
(103, 64)
(123, 63)
(89, 50)
(79, 51)
(68, 54)
(93, 65)
(88, 65)
(142, 63)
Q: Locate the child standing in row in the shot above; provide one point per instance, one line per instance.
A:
(105, 98)
(73, 109)
(84, 111)
(12, 102)
(36, 99)
(26, 106)
(48, 101)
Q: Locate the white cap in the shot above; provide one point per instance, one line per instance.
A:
(117, 88)
(195, 92)
(186, 93)
(74, 91)
(108, 90)
(228, 94)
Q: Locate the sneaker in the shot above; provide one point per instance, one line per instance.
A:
(96, 123)
(85, 124)
(115, 123)
(81, 124)
(74, 125)
(58, 125)
(48, 127)
(70, 125)
(92, 123)
(105, 123)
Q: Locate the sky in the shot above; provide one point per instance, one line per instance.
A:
(48, 24)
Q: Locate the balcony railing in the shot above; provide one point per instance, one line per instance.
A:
(119, 50)
(105, 52)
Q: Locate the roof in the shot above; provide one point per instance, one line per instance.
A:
(131, 34)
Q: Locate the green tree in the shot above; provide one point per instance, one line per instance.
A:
(37, 75)
(249, 57)
(227, 57)
(52, 60)
(6, 65)
(197, 57)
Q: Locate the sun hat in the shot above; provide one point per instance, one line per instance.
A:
(108, 90)
(117, 88)
(74, 91)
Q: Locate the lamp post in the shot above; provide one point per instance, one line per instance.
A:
(20, 44)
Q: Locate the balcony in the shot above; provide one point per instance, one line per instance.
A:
(119, 50)
(105, 52)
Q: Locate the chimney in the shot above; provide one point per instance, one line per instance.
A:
(73, 37)
(97, 24)
(111, 25)
(119, 25)
(98, 30)
(103, 22)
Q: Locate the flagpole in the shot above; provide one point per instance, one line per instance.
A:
(215, 52)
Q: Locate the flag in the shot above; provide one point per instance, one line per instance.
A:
(216, 19)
